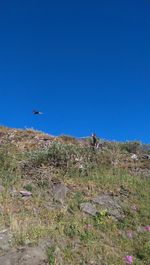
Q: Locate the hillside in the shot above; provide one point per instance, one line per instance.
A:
(64, 202)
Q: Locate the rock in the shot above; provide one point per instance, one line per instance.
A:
(5, 240)
(30, 256)
(111, 204)
(27, 256)
(134, 157)
(60, 192)
(33, 256)
(3, 231)
(45, 243)
(89, 208)
(145, 156)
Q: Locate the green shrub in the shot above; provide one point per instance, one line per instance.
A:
(131, 147)
(63, 156)
(51, 256)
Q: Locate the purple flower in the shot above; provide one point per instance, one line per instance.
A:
(88, 227)
(128, 259)
(134, 208)
(130, 234)
(25, 193)
(147, 228)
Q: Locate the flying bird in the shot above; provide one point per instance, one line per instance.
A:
(36, 112)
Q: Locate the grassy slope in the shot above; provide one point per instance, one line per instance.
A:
(27, 161)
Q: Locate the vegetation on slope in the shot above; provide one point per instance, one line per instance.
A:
(39, 163)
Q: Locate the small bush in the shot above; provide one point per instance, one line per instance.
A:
(131, 147)
(62, 156)
(71, 230)
(51, 256)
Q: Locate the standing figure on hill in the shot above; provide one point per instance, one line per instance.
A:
(94, 140)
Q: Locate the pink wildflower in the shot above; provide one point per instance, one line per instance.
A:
(130, 234)
(147, 228)
(134, 208)
(88, 227)
(25, 193)
(128, 259)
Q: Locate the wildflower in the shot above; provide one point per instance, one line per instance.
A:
(130, 234)
(25, 193)
(88, 227)
(134, 208)
(128, 259)
(81, 166)
(147, 228)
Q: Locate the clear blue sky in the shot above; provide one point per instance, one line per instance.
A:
(84, 63)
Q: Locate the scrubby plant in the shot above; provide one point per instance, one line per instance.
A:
(51, 255)
(68, 139)
(71, 230)
(69, 157)
(131, 147)
(9, 170)
(87, 172)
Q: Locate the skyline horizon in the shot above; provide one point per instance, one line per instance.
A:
(77, 136)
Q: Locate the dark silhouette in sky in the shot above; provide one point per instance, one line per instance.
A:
(36, 112)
